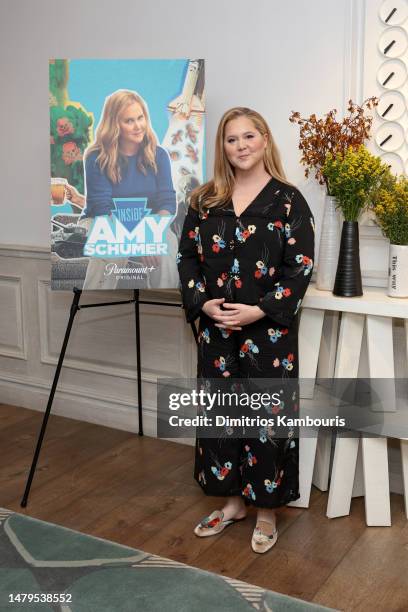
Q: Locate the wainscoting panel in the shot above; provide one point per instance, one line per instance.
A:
(103, 340)
(12, 340)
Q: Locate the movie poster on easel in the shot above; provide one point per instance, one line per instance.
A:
(127, 146)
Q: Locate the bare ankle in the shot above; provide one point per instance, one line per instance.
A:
(234, 508)
(267, 515)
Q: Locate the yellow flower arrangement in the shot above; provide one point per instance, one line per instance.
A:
(391, 209)
(354, 179)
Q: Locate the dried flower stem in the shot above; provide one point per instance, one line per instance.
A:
(318, 137)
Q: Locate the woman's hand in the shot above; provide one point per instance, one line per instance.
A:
(242, 314)
(74, 196)
(212, 308)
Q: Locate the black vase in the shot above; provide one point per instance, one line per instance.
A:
(348, 275)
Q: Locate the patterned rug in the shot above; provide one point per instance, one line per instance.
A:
(94, 575)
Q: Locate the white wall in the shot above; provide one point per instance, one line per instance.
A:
(273, 56)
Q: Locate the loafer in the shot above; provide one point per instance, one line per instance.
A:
(214, 524)
(261, 542)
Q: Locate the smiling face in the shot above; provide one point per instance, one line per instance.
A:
(244, 145)
(132, 124)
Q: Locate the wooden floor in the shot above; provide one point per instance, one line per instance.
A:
(139, 491)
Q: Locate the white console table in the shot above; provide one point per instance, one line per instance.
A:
(332, 345)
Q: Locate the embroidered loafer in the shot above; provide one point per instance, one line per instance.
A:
(213, 524)
(261, 542)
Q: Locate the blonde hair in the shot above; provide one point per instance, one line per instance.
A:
(218, 191)
(108, 132)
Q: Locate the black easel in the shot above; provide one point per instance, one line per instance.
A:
(73, 310)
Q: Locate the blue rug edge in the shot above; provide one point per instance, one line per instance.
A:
(198, 569)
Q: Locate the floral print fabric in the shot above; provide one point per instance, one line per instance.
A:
(264, 470)
(264, 257)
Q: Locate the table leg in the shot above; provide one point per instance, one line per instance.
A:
(342, 478)
(310, 334)
(307, 453)
(375, 453)
(376, 481)
(381, 360)
(404, 459)
(346, 449)
(327, 362)
(328, 345)
(406, 337)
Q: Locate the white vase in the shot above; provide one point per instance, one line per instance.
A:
(398, 271)
(329, 246)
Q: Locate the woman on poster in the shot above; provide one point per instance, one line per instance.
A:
(125, 161)
(245, 261)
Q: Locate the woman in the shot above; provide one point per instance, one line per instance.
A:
(245, 261)
(125, 161)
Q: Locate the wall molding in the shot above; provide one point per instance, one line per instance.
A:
(47, 357)
(19, 349)
(78, 403)
(25, 251)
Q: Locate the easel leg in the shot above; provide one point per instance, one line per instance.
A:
(73, 311)
(139, 361)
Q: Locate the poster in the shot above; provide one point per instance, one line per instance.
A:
(127, 146)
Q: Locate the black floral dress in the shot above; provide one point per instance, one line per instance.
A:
(264, 257)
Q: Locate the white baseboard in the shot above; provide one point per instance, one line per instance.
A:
(78, 404)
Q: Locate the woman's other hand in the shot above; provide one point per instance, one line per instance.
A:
(242, 314)
(225, 319)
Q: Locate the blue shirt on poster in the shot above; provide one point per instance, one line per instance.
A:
(157, 188)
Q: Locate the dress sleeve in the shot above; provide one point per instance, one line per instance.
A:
(283, 303)
(193, 290)
(98, 189)
(165, 198)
